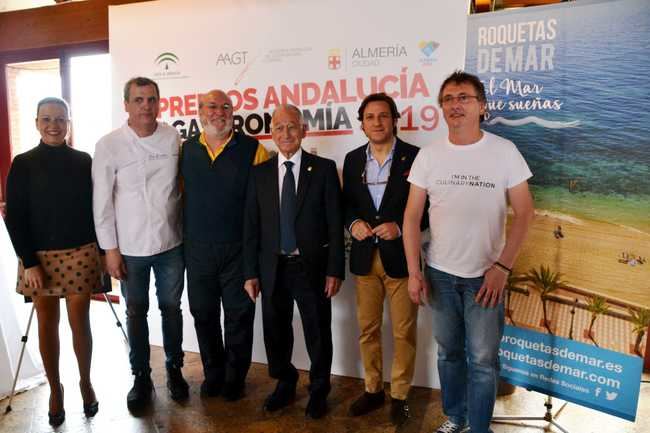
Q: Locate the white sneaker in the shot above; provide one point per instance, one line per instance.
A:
(450, 427)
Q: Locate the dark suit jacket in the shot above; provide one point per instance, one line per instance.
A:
(359, 205)
(319, 222)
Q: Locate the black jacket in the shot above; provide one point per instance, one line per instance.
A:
(319, 222)
(359, 205)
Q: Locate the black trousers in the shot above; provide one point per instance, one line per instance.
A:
(292, 284)
(215, 276)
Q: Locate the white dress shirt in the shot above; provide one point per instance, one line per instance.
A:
(282, 170)
(136, 196)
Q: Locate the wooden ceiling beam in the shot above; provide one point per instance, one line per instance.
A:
(523, 3)
(56, 25)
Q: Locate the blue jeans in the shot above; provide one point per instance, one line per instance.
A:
(468, 337)
(168, 269)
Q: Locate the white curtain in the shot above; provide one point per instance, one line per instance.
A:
(13, 322)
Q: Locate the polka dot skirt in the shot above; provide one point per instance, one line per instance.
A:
(67, 272)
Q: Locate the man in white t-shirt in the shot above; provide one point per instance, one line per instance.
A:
(470, 177)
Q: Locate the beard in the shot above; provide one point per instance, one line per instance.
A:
(212, 130)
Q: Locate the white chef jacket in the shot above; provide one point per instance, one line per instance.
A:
(136, 195)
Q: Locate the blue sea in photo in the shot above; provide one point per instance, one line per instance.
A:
(600, 168)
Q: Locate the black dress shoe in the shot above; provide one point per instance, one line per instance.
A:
(140, 394)
(211, 388)
(283, 395)
(317, 406)
(368, 402)
(91, 409)
(56, 419)
(176, 384)
(233, 391)
(399, 411)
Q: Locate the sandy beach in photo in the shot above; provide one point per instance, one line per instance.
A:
(588, 255)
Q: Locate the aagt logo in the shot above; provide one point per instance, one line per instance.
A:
(232, 58)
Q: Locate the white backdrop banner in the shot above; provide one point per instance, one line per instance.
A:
(324, 57)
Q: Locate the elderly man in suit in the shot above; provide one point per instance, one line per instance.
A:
(293, 250)
(375, 190)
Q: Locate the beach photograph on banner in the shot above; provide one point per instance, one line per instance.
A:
(568, 85)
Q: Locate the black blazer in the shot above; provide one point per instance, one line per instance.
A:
(319, 222)
(359, 205)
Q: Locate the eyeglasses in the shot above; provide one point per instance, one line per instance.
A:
(462, 99)
(215, 107)
(364, 180)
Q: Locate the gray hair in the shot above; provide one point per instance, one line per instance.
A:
(139, 82)
(289, 107)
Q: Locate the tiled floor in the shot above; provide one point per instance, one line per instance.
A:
(112, 380)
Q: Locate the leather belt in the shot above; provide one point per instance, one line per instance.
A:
(290, 258)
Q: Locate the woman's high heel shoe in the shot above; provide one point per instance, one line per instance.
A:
(56, 419)
(91, 409)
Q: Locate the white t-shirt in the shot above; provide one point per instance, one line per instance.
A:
(467, 189)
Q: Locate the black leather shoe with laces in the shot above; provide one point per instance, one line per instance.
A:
(282, 396)
(317, 406)
(140, 394)
(233, 391)
(399, 411)
(176, 384)
(368, 402)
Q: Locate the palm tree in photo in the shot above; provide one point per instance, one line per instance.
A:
(597, 305)
(573, 316)
(545, 282)
(511, 286)
(641, 321)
